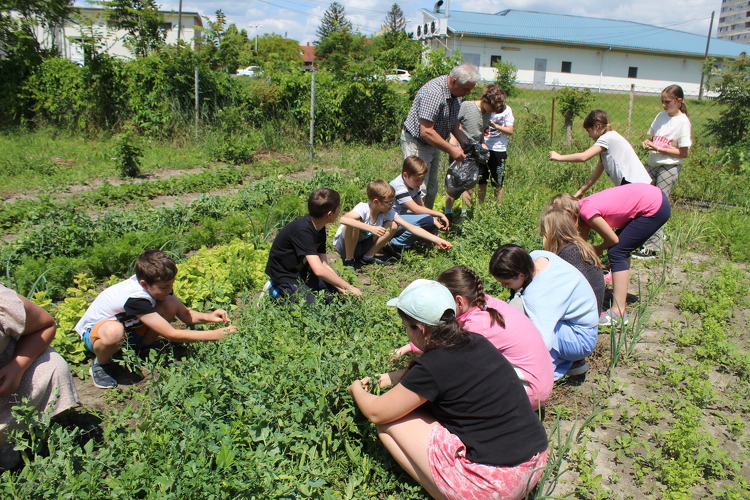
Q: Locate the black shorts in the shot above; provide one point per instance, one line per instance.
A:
(494, 170)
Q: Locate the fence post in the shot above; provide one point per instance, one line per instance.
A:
(197, 107)
(552, 121)
(312, 115)
(630, 110)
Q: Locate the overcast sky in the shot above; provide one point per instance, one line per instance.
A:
(299, 19)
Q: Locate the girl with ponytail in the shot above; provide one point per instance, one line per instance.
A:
(458, 419)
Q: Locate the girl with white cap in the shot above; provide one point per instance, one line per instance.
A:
(477, 437)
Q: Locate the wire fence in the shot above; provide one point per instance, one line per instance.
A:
(631, 108)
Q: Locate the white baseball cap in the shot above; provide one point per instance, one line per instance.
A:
(425, 300)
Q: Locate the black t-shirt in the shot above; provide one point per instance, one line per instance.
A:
(593, 274)
(286, 260)
(475, 393)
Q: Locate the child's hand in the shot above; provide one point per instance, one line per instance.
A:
(647, 144)
(554, 156)
(445, 245)
(378, 231)
(384, 380)
(443, 223)
(220, 333)
(219, 316)
(401, 351)
(357, 384)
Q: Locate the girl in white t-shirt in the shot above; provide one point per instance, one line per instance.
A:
(671, 140)
(616, 155)
(496, 139)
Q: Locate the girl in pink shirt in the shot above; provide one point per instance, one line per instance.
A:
(625, 217)
(507, 328)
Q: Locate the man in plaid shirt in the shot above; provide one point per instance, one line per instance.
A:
(431, 120)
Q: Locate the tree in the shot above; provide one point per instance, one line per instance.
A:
(334, 21)
(438, 63)
(394, 27)
(733, 87)
(20, 50)
(278, 52)
(338, 46)
(572, 103)
(141, 20)
(506, 77)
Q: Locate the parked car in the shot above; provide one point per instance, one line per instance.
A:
(250, 71)
(398, 75)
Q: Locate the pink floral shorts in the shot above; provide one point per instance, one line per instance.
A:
(459, 479)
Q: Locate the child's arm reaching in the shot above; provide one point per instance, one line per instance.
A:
(425, 235)
(190, 317)
(577, 157)
(598, 224)
(391, 406)
(353, 219)
(591, 180)
(321, 269)
(158, 324)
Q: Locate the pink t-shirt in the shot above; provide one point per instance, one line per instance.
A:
(520, 342)
(621, 204)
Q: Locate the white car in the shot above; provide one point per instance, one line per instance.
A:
(398, 75)
(250, 71)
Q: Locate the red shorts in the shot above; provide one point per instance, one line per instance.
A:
(458, 478)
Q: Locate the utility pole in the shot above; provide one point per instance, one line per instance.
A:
(256, 26)
(708, 41)
(179, 23)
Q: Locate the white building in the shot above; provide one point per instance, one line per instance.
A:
(92, 22)
(734, 21)
(552, 50)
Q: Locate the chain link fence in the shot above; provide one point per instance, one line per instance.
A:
(631, 109)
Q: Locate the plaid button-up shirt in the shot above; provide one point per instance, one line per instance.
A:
(434, 103)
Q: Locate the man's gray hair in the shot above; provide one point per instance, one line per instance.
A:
(466, 73)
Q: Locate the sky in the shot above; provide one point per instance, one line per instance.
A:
(299, 19)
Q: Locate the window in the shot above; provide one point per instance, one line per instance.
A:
(566, 67)
(165, 26)
(632, 72)
(494, 59)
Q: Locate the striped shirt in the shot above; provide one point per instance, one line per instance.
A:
(433, 103)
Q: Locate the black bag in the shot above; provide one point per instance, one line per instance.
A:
(464, 175)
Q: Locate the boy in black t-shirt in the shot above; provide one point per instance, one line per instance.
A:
(140, 309)
(297, 263)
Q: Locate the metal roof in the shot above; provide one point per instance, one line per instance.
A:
(566, 29)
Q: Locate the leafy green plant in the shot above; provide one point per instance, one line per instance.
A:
(506, 77)
(128, 155)
(572, 103)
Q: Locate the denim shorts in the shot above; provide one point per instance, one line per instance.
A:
(133, 337)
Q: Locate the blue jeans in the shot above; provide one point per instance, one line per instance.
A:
(404, 238)
(571, 343)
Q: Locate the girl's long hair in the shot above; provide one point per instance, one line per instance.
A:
(461, 280)
(558, 229)
(509, 261)
(597, 116)
(676, 92)
(566, 202)
(447, 334)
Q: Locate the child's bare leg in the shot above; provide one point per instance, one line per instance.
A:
(380, 243)
(482, 192)
(499, 192)
(620, 280)
(406, 440)
(111, 336)
(449, 202)
(466, 199)
(351, 236)
(167, 309)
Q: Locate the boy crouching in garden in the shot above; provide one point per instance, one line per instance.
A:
(140, 309)
(369, 226)
(297, 263)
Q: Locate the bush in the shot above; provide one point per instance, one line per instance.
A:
(128, 156)
(506, 77)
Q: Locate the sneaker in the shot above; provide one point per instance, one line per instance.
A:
(353, 263)
(578, 368)
(391, 250)
(100, 377)
(644, 254)
(609, 317)
(376, 260)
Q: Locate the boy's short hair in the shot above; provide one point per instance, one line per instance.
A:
(414, 166)
(495, 96)
(154, 265)
(380, 189)
(322, 201)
